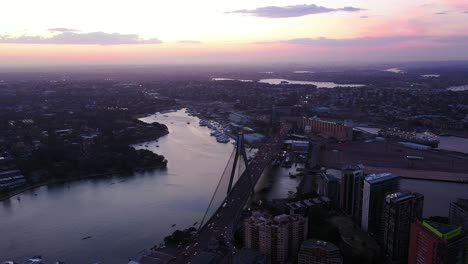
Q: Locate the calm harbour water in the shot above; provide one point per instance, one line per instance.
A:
(122, 214)
(127, 214)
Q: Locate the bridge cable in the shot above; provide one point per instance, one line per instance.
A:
(216, 190)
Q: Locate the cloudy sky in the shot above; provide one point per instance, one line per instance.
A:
(222, 31)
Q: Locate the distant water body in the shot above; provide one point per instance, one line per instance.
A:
(431, 75)
(228, 79)
(318, 84)
(394, 70)
(460, 88)
(285, 81)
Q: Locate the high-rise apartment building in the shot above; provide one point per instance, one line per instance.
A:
(277, 237)
(329, 186)
(351, 191)
(436, 243)
(400, 210)
(458, 213)
(375, 187)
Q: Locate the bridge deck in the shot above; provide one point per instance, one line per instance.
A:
(221, 225)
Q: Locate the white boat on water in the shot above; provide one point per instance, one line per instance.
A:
(34, 260)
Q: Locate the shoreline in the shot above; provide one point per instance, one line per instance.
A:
(105, 174)
(424, 175)
(49, 182)
(55, 181)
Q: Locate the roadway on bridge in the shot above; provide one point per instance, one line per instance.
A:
(220, 228)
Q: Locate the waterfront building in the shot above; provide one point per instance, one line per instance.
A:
(10, 179)
(327, 129)
(375, 187)
(436, 243)
(458, 213)
(298, 146)
(319, 252)
(278, 237)
(351, 191)
(400, 210)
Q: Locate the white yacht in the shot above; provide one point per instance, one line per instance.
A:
(34, 260)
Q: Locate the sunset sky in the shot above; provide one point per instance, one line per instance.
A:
(49, 32)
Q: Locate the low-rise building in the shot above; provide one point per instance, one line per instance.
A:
(328, 129)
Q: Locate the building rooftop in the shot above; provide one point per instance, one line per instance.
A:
(463, 203)
(329, 177)
(313, 243)
(443, 231)
(380, 177)
(399, 196)
(353, 167)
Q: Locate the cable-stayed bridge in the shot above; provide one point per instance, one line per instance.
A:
(236, 186)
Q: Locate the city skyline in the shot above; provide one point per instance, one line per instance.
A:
(204, 32)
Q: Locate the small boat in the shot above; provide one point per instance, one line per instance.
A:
(173, 225)
(188, 123)
(86, 237)
(195, 223)
(34, 260)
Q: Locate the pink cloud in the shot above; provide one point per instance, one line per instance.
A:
(459, 4)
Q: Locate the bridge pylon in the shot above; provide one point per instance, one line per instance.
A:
(240, 153)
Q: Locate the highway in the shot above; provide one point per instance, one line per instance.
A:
(220, 228)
